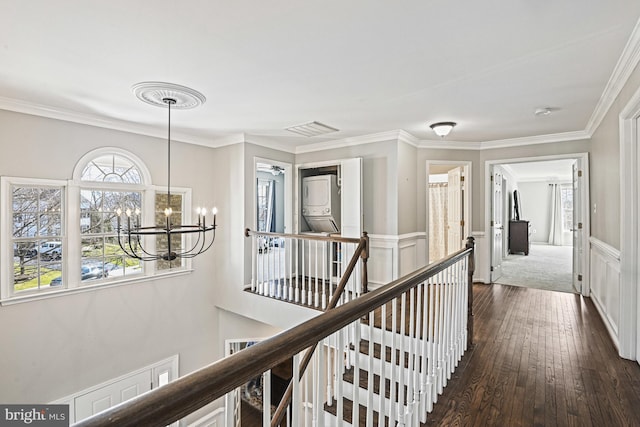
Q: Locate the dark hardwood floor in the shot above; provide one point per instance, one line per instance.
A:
(540, 358)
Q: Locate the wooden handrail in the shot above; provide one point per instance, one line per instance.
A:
(319, 237)
(187, 394)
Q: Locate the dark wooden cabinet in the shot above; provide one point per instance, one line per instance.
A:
(519, 237)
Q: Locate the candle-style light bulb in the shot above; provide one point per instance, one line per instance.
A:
(128, 212)
(137, 211)
(168, 211)
(118, 211)
(204, 211)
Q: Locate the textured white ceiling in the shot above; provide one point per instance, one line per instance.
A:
(362, 66)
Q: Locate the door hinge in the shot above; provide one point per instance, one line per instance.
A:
(579, 277)
(461, 178)
(491, 268)
(579, 226)
(462, 222)
(579, 173)
(492, 178)
(492, 223)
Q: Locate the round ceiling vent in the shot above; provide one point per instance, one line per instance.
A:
(158, 93)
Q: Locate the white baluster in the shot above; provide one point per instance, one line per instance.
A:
(296, 397)
(370, 375)
(339, 375)
(392, 376)
(355, 412)
(266, 398)
(383, 360)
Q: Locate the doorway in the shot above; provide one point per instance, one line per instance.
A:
(448, 213)
(540, 241)
(271, 181)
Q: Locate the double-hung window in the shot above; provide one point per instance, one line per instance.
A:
(108, 182)
(33, 238)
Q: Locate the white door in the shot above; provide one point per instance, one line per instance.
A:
(577, 228)
(454, 210)
(351, 197)
(112, 394)
(497, 226)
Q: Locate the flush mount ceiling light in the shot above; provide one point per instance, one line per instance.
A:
(442, 129)
(545, 111)
(311, 129)
(131, 235)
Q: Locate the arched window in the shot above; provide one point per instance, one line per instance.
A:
(110, 180)
(112, 168)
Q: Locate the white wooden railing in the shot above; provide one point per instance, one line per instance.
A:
(305, 268)
(424, 335)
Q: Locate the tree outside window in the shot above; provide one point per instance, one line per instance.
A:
(37, 236)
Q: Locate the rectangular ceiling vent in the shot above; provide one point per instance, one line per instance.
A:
(311, 129)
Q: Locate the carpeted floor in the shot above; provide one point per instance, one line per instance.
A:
(546, 267)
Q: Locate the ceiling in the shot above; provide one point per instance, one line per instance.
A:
(363, 67)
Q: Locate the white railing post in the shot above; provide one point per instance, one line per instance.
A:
(296, 397)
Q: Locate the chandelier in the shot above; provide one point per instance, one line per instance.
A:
(131, 234)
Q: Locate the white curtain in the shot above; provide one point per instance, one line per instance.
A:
(555, 225)
(437, 221)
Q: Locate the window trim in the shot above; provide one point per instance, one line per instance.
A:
(6, 234)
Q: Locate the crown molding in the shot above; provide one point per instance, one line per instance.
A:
(349, 142)
(539, 139)
(267, 142)
(622, 71)
(40, 110)
(450, 145)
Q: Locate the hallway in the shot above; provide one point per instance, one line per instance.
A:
(539, 358)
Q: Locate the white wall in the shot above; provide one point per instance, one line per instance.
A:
(536, 206)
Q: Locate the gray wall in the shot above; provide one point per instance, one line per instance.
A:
(57, 346)
(605, 169)
(408, 186)
(379, 186)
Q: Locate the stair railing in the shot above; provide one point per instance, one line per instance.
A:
(307, 269)
(418, 324)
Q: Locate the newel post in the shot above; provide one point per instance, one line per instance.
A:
(365, 258)
(472, 266)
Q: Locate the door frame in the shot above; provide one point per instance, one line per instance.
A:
(288, 191)
(468, 189)
(584, 158)
(629, 325)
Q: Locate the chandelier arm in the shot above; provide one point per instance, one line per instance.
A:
(202, 248)
(129, 253)
(201, 234)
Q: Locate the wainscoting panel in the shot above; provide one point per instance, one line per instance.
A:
(605, 283)
(391, 257)
(483, 262)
